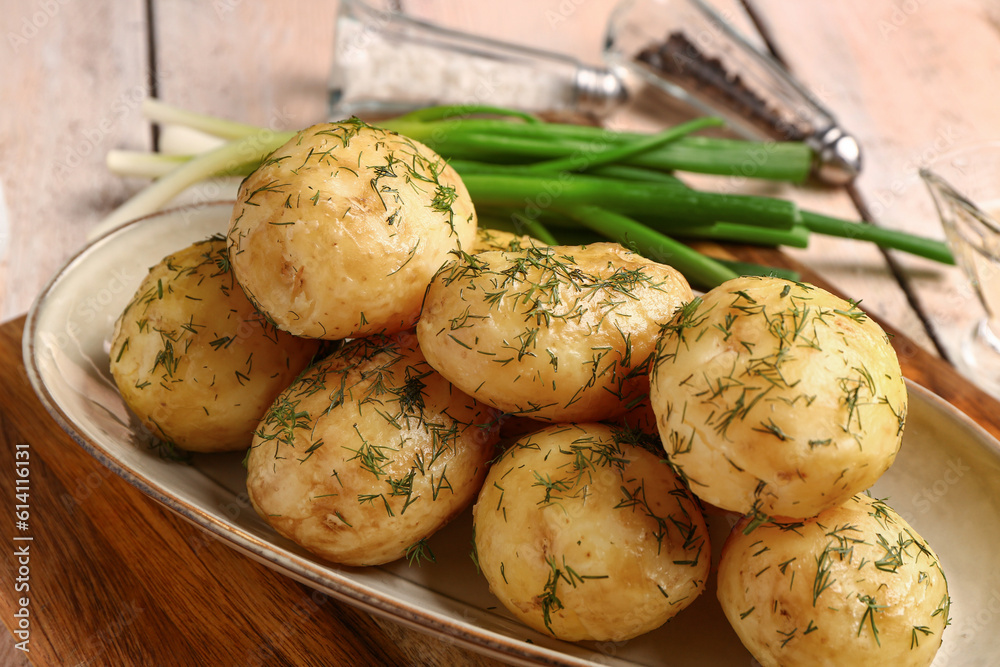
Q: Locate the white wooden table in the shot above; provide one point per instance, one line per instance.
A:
(910, 78)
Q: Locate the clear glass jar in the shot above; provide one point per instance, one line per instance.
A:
(685, 49)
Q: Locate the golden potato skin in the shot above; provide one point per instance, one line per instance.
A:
(194, 360)
(369, 453)
(777, 398)
(556, 333)
(338, 232)
(854, 586)
(585, 536)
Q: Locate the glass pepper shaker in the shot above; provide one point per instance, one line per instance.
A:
(687, 50)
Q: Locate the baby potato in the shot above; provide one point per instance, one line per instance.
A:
(192, 358)
(777, 398)
(854, 586)
(368, 453)
(338, 232)
(585, 536)
(555, 333)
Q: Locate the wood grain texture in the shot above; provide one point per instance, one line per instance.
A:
(909, 79)
(116, 579)
(256, 62)
(857, 269)
(72, 78)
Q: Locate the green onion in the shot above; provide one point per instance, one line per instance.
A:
(621, 185)
(620, 153)
(464, 111)
(881, 236)
(508, 190)
(533, 228)
(701, 270)
(508, 142)
(236, 157)
(796, 237)
(158, 112)
(146, 165)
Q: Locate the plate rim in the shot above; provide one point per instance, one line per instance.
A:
(274, 556)
(300, 568)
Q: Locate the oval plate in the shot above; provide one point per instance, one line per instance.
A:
(946, 482)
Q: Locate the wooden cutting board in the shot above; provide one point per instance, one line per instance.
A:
(116, 579)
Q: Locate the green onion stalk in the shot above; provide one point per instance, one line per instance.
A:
(613, 185)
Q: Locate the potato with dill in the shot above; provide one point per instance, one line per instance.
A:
(854, 586)
(776, 398)
(584, 535)
(556, 333)
(337, 233)
(194, 360)
(368, 453)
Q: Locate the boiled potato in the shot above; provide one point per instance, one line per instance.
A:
(584, 536)
(194, 360)
(777, 398)
(339, 231)
(368, 453)
(558, 333)
(854, 586)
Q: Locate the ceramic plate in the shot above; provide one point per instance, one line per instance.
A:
(946, 482)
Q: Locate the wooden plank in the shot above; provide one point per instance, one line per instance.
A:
(571, 27)
(117, 579)
(908, 78)
(256, 62)
(73, 76)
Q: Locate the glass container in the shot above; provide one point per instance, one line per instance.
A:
(687, 50)
(387, 63)
(965, 186)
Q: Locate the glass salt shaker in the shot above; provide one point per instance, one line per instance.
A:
(387, 63)
(686, 50)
